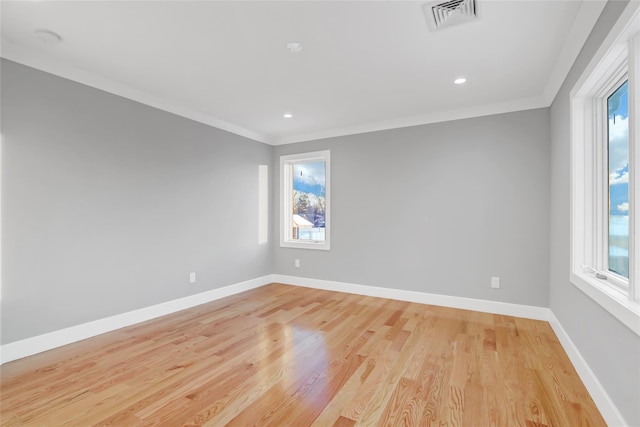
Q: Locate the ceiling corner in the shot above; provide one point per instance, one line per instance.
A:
(586, 19)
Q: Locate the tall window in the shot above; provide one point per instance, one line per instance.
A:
(304, 180)
(605, 172)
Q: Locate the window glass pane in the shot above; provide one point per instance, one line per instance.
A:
(309, 201)
(618, 148)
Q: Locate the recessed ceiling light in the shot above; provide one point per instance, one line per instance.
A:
(294, 47)
(48, 37)
(287, 115)
(460, 80)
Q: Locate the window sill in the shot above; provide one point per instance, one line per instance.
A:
(319, 246)
(615, 302)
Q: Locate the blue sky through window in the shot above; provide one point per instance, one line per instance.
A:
(618, 106)
(309, 178)
(618, 145)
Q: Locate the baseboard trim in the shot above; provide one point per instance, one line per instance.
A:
(48, 341)
(495, 307)
(607, 408)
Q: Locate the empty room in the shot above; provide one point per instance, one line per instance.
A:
(320, 213)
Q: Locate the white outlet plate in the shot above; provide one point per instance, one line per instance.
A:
(192, 277)
(297, 263)
(495, 282)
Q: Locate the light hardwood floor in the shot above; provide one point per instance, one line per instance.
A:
(291, 356)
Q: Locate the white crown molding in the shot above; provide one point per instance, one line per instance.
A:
(583, 24)
(45, 63)
(48, 341)
(423, 119)
(587, 16)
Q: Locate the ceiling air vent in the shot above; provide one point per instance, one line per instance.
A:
(446, 14)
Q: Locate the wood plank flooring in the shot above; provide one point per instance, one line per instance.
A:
(290, 356)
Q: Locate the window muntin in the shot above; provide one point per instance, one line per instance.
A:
(305, 188)
(618, 180)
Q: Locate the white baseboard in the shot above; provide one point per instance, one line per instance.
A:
(496, 307)
(611, 415)
(44, 342)
(40, 343)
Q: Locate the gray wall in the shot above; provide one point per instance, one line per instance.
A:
(610, 348)
(109, 204)
(437, 208)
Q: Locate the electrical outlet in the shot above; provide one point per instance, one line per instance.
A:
(192, 277)
(495, 282)
(297, 263)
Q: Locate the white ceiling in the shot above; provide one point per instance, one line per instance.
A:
(365, 65)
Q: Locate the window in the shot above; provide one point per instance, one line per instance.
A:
(605, 157)
(618, 182)
(304, 182)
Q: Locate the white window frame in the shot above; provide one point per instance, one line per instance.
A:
(617, 60)
(286, 188)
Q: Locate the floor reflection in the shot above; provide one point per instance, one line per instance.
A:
(303, 363)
